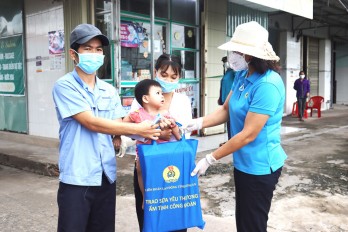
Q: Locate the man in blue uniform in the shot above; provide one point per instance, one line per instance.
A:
(225, 87)
(89, 111)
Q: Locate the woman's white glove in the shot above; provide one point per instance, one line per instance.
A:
(203, 165)
(194, 124)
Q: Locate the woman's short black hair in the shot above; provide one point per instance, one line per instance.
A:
(166, 60)
(143, 88)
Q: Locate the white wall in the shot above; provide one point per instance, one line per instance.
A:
(290, 60)
(342, 73)
(325, 71)
(42, 16)
(215, 31)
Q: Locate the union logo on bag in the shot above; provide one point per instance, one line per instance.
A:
(172, 198)
(171, 174)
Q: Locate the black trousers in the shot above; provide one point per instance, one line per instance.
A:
(254, 194)
(87, 208)
(139, 201)
(301, 102)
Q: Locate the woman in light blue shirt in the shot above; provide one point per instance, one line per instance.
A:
(255, 109)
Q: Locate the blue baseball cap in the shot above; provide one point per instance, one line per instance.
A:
(85, 32)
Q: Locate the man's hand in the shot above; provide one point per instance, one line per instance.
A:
(195, 124)
(166, 134)
(203, 165)
(167, 127)
(166, 123)
(148, 130)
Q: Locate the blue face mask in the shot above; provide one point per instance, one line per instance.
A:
(90, 62)
(167, 87)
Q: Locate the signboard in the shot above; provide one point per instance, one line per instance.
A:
(11, 66)
(190, 90)
(302, 8)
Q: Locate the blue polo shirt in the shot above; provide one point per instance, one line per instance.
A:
(83, 154)
(262, 94)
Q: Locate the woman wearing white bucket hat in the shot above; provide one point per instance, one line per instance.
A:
(255, 108)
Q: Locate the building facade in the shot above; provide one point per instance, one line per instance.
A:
(34, 46)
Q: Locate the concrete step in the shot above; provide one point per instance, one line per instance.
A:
(31, 153)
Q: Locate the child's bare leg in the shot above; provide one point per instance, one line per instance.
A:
(140, 181)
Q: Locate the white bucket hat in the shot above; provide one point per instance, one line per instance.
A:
(251, 39)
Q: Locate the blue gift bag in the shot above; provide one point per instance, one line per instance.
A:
(172, 199)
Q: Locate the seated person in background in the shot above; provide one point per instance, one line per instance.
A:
(149, 94)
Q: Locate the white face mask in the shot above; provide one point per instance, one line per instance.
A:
(167, 86)
(237, 61)
(227, 65)
(302, 76)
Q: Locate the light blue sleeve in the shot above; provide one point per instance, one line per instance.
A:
(265, 99)
(68, 100)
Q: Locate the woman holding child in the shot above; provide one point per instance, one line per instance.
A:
(167, 73)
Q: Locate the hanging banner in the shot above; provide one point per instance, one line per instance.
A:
(11, 66)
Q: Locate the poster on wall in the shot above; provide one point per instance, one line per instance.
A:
(56, 42)
(132, 34)
(11, 66)
(190, 90)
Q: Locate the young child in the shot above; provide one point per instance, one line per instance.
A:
(148, 94)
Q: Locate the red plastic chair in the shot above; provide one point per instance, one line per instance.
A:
(315, 103)
(295, 110)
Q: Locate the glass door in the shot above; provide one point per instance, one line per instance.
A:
(136, 54)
